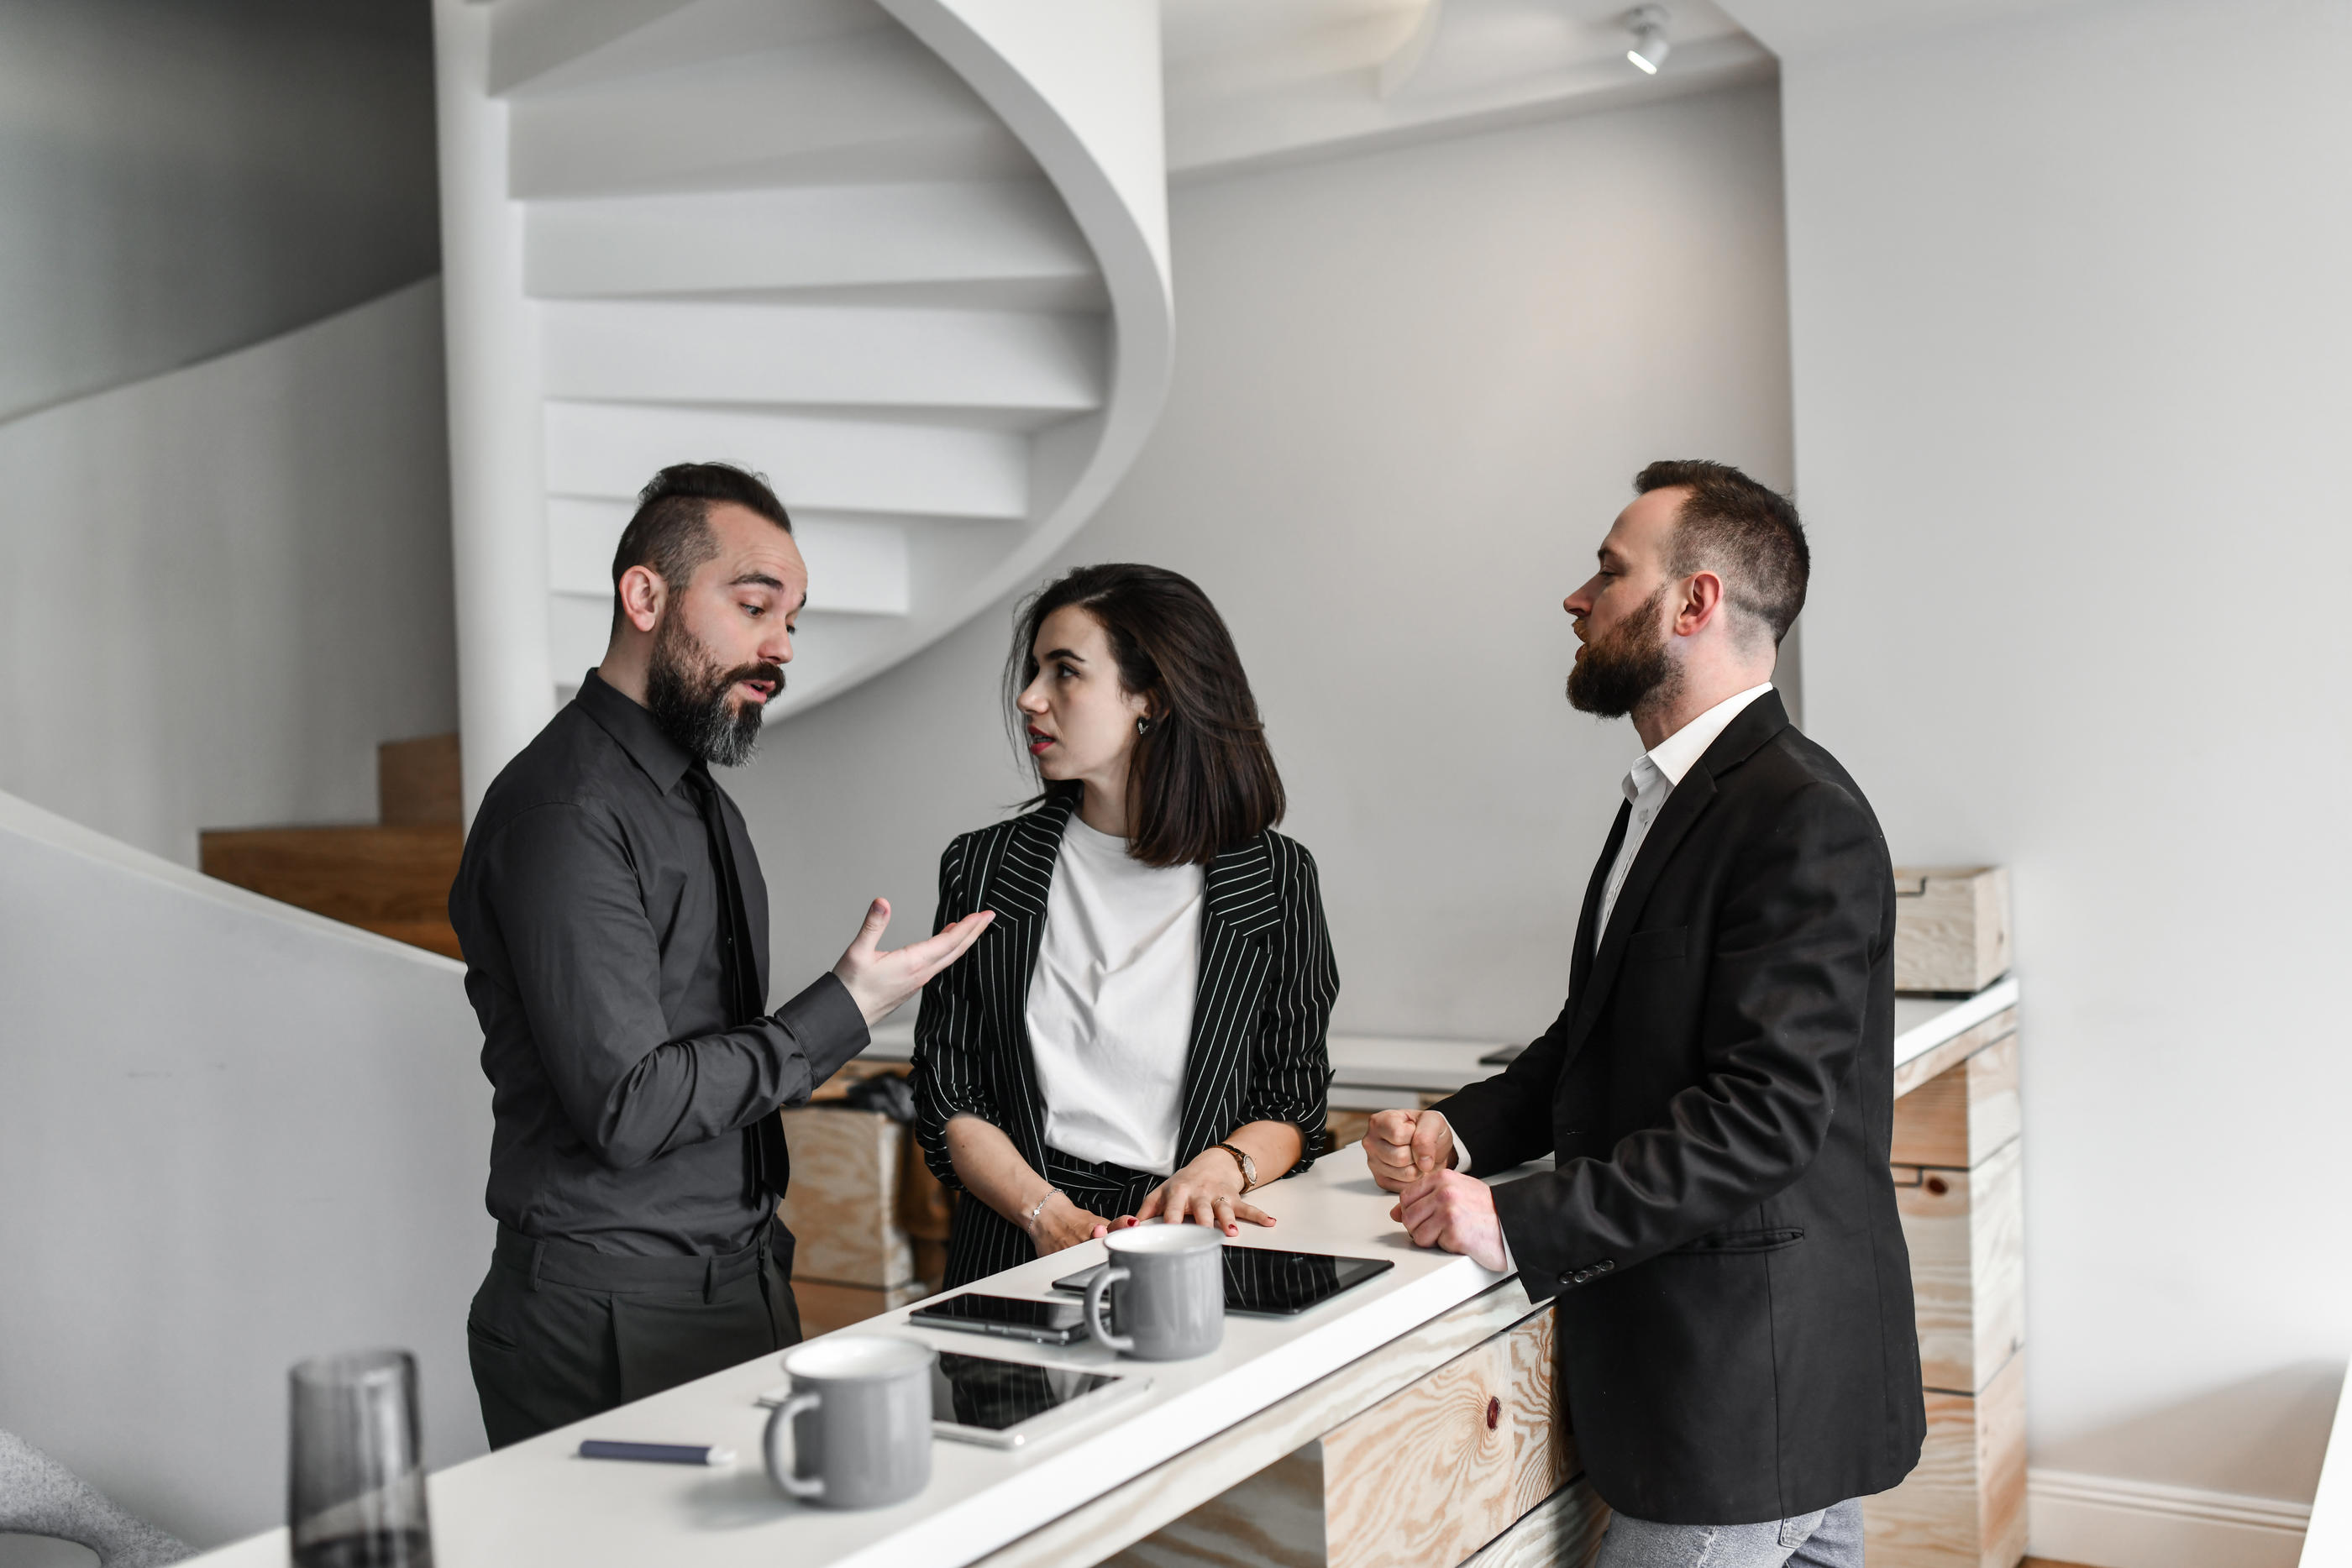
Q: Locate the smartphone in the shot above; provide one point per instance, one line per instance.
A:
(1046, 1323)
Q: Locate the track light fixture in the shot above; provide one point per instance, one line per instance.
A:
(1648, 23)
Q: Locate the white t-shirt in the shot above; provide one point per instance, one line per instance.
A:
(1110, 1006)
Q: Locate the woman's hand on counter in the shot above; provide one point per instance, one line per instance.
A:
(1061, 1223)
(1207, 1192)
(1403, 1146)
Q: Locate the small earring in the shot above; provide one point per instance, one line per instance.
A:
(1141, 725)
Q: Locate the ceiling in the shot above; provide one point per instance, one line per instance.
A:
(1252, 83)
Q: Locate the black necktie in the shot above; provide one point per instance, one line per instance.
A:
(767, 1165)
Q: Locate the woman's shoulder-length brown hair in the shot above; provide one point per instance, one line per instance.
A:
(1201, 779)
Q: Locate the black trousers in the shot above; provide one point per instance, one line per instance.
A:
(559, 1331)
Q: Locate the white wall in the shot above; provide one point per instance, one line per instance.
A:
(2071, 328)
(232, 1135)
(183, 179)
(1411, 390)
(229, 583)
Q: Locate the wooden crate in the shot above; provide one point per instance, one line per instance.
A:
(842, 1205)
(825, 1306)
(1472, 1459)
(1959, 1187)
(1951, 927)
(1964, 1507)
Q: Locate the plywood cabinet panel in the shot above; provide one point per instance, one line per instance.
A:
(1962, 1115)
(1435, 1471)
(1964, 1507)
(1965, 1232)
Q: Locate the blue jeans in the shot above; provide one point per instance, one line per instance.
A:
(1830, 1539)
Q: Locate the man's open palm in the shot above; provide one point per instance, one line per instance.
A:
(879, 981)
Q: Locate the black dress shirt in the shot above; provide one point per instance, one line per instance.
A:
(623, 1044)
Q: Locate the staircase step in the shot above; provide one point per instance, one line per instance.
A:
(608, 451)
(872, 106)
(391, 880)
(1024, 369)
(555, 46)
(417, 782)
(993, 243)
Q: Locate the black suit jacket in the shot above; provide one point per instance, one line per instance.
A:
(1735, 1329)
(1261, 1013)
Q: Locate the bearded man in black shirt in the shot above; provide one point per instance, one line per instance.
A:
(614, 925)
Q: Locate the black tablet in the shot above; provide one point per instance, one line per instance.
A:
(1271, 1283)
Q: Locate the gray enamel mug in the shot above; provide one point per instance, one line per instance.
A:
(855, 1431)
(1166, 1289)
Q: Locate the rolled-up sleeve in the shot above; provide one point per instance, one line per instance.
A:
(952, 1075)
(1290, 1059)
(587, 963)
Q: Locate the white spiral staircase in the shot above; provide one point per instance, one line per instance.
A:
(907, 257)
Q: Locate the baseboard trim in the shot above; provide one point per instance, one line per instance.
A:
(2107, 1522)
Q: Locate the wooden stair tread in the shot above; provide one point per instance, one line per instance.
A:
(364, 875)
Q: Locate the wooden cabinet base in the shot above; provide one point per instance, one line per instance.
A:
(825, 1306)
(1964, 1507)
(1427, 1478)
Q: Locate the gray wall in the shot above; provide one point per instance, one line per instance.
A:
(227, 583)
(1411, 391)
(183, 179)
(232, 1135)
(2071, 329)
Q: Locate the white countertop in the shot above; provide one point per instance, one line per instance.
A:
(536, 1503)
(1386, 1071)
(2327, 1542)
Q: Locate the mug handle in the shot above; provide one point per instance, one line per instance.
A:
(1097, 1318)
(778, 1447)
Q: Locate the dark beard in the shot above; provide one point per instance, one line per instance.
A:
(686, 692)
(1622, 670)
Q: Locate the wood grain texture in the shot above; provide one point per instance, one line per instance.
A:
(1436, 1470)
(1962, 1115)
(843, 1205)
(825, 1306)
(392, 881)
(1273, 1520)
(1564, 1530)
(1951, 927)
(416, 782)
(1934, 1063)
(1127, 1513)
(1964, 1507)
(1965, 1232)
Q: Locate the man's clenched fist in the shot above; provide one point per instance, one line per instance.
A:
(1402, 1146)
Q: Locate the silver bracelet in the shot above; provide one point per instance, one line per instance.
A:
(1039, 1207)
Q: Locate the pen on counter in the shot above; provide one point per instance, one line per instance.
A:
(655, 1453)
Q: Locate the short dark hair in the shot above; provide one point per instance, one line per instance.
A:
(670, 533)
(1744, 532)
(1203, 779)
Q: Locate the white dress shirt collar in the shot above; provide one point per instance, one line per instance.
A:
(1679, 752)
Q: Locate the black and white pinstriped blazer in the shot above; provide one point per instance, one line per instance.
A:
(1261, 1010)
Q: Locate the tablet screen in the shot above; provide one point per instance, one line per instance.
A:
(1261, 1280)
(982, 1392)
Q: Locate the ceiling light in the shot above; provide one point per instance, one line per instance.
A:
(1649, 27)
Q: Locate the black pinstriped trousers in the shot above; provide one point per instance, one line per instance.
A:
(981, 1241)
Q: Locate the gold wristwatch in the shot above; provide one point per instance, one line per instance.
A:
(1249, 1166)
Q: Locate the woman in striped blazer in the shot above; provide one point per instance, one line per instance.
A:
(1140, 1034)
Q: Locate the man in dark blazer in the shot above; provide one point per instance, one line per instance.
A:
(1719, 1228)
